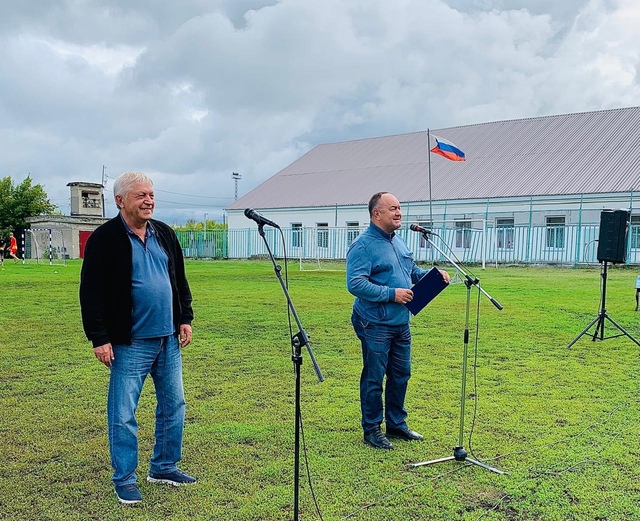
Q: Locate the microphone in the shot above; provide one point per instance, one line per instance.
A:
(250, 213)
(420, 229)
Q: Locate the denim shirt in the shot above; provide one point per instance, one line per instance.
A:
(377, 264)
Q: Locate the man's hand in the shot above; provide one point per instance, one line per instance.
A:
(403, 295)
(445, 276)
(104, 353)
(184, 338)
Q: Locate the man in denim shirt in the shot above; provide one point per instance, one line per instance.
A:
(380, 273)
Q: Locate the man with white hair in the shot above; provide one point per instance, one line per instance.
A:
(136, 311)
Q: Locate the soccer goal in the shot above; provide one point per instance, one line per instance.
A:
(320, 264)
(42, 245)
(320, 248)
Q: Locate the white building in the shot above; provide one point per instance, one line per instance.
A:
(67, 234)
(540, 180)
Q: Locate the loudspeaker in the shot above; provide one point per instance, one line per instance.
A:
(612, 241)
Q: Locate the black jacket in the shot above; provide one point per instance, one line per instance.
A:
(105, 282)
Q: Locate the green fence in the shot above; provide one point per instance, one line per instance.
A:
(486, 244)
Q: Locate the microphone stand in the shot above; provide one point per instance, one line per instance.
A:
(459, 452)
(297, 341)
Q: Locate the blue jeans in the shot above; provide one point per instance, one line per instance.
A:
(385, 350)
(160, 358)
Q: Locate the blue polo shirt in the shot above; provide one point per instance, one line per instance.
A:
(151, 287)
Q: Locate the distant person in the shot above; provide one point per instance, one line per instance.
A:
(136, 311)
(13, 248)
(380, 273)
(2, 245)
(637, 291)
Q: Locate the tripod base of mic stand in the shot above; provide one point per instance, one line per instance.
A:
(459, 454)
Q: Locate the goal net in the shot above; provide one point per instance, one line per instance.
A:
(42, 245)
(320, 248)
(320, 264)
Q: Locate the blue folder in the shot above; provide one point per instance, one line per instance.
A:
(426, 289)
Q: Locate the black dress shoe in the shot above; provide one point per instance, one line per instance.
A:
(377, 439)
(404, 434)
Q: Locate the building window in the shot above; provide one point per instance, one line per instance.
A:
(505, 231)
(90, 199)
(427, 225)
(323, 235)
(634, 232)
(296, 235)
(463, 234)
(353, 230)
(555, 232)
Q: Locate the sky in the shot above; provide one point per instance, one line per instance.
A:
(192, 91)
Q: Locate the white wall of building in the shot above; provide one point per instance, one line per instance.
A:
(575, 208)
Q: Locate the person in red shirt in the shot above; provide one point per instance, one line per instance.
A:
(13, 248)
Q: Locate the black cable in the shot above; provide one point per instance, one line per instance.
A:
(476, 343)
(475, 376)
(540, 473)
(563, 440)
(308, 470)
(286, 285)
(569, 468)
(453, 255)
(601, 285)
(406, 487)
(537, 473)
(304, 444)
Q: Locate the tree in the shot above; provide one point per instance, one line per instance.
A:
(192, 225)
(19, 202)
(208, 238)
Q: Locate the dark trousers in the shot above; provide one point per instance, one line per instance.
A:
(386, 350)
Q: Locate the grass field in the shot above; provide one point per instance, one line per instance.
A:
(562, 422)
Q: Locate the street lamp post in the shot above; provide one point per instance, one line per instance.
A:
(104, 214)
(236, 177)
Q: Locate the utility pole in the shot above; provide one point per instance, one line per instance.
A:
(236, 177)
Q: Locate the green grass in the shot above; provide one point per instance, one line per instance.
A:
(562, 422)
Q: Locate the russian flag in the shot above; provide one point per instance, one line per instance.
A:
(448, 150)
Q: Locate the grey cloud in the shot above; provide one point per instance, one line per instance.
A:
(191, 91)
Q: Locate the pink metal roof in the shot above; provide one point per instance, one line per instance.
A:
(584, 153)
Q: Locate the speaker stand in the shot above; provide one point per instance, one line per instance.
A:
(598, 334)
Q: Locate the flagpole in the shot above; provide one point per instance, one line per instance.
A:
(430, 198)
